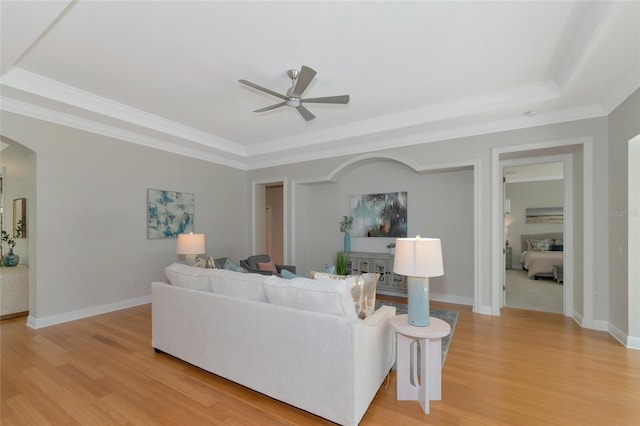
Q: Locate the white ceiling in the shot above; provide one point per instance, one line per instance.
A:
(165, 73)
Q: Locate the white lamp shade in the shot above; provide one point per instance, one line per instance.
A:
(191, 244)
(418, 257)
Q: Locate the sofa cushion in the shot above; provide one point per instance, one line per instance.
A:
(236, 284)
(188, 276)
(363, 292)
(325, 295)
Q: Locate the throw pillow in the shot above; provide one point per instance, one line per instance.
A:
(201, 262)
(231, 266)
(267, 266)
(363, 292)
(326, 296)
(539, 245)
(287, 274)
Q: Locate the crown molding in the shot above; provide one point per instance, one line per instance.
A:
(68, 120)
(35, 84)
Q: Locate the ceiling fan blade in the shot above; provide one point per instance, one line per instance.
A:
(342, 99)
(304, 78)
(269, 108)
(263, 89)
(305, 113)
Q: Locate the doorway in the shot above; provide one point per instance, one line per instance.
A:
(530, 282)
(269, 219)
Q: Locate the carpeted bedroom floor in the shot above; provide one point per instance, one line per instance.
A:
(535, 295)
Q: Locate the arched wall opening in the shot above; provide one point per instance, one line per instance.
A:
(441, 203)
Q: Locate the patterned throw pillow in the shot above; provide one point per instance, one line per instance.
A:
(363, 291)
(539, 245)
(201, 262)
(230, 266)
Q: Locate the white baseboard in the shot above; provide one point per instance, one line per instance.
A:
(447, 298)
(485, 309)
(633, 343)
(600, 325)
(577, 318)
(618, 334)
(87, 312)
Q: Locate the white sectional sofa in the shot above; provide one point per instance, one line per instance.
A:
(298, 341)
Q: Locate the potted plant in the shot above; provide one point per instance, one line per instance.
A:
(9, 259)
(391, 247)
(345, 226)
(342, 260)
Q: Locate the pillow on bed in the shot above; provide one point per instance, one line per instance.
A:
(557, 245)
(539, 245)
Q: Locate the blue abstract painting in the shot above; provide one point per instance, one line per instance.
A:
(379, 215)
(169, 213)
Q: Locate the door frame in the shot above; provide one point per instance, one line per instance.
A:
(567, 226)
(585, 319)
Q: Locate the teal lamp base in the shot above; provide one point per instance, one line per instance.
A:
(418, 301)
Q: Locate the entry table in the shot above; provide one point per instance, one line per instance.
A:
(429, 387)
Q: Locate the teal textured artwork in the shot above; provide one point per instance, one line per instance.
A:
(169, 213)
(379, 215)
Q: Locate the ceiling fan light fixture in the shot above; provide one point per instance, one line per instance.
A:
(293, 102)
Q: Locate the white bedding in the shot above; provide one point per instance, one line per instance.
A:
(541, 263)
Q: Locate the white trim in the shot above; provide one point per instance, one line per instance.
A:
(618, 334)
(86, 125)
(485, 310)
(35, 84)
(87, 312)
(446, 298)
(633, 343)
(586, 319)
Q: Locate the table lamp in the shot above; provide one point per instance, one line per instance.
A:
(418, 259)
(190, 245)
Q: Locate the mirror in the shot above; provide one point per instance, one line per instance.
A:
(20, 218)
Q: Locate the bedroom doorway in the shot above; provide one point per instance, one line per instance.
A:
(534, 200)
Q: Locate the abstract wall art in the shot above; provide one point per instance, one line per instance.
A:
(544, 215)
(169, 213)
(379, 215)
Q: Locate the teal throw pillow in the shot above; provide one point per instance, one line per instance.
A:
(229, 265)
(287, 274)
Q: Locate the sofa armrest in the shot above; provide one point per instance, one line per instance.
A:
(251, 269)
(383, 313)
(289, 268)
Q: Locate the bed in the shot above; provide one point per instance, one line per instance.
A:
(540, 253)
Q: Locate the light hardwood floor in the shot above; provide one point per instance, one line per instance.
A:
(523, 368)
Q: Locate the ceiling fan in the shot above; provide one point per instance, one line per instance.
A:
(299, 82)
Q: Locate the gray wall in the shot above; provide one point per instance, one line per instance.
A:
(624, 124)
(439, 205)
(90, 215)
(464, 150)
(525, 195)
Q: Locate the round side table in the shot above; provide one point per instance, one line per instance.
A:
(429, 387)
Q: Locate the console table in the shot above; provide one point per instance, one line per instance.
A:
(14, 291)
(389, 283)
(429, 387)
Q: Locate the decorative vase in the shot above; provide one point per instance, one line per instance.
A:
(10, 259)
(347, 242)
